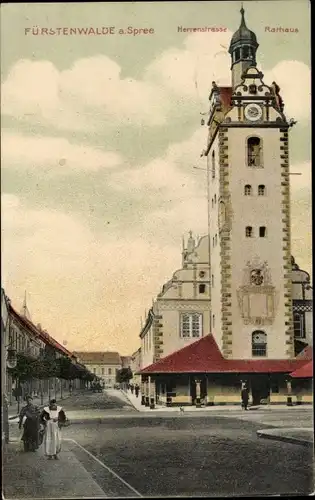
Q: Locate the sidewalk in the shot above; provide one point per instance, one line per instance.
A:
(304, 437)
(136, 402)
(31, 475)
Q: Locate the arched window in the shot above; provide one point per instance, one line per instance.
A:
(213, 164)
(216, 239)
(254, 152)
(262, 232)
(213, 321)
(212, 202)
(237, 54)
(249, 231)
(259, 343)
(215, 199)
(212, 279)
(247, 190)
(245, 51)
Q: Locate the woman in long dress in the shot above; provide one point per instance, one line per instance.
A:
(29, 418)
(53, 418)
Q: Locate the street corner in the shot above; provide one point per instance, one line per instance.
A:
(303, 437)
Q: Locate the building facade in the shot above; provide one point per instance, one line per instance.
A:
(135, 365)
(302, 302)
(260, 315)
(248, 156)
(180, 314)
(102, 364)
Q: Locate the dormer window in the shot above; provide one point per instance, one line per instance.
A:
(252, 89)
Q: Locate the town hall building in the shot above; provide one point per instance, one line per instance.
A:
(257, 314)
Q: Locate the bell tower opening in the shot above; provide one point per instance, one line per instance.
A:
(243, 49)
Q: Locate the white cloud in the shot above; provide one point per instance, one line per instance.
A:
(54, 155)
(188, 72)
(89, 94)
(173, 175)
(60, 262)
(294, 80)
(92, 94)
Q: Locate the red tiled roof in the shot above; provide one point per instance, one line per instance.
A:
(43, 335)
(225, 96)
(307, 353)
(104, 357)
(204, 356)
(306, 371)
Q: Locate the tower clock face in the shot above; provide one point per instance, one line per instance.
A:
(253, 112)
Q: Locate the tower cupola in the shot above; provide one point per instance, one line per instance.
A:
(243, 49)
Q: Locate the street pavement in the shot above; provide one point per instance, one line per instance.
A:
(127, 453)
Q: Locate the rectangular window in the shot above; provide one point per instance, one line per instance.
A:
(102, 371)
(298, 325)
(262, 232)
(202, 288)
(109, 371)
(191, 325)
(94, 371)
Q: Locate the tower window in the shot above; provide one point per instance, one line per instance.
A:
(245, 52)
(259, 343)
(213, 321)
(262, 231)
(202, 288)
(212, 279)
(252, 89)
(247, 190)
(215, 239)
(215, 199)
(237, 55)
(261, 190)
(249, 232)
(254, 152)
(213, 164)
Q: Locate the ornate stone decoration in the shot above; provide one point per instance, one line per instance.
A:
(257, 297)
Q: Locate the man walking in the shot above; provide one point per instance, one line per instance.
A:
(244, 395)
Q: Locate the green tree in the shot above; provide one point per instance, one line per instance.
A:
(124, 375)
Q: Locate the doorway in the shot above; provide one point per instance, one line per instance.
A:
(260, 388)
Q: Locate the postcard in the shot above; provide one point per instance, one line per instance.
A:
(156, 294)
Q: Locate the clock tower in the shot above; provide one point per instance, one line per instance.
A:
(248, 161)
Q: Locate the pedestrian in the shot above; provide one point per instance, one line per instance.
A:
(53, 417)
(244, 396)
(131, 388)
(137, 389)
(29, 418)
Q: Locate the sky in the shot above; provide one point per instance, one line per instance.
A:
(100, 137)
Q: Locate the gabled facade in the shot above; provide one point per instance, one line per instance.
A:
(181, 312)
